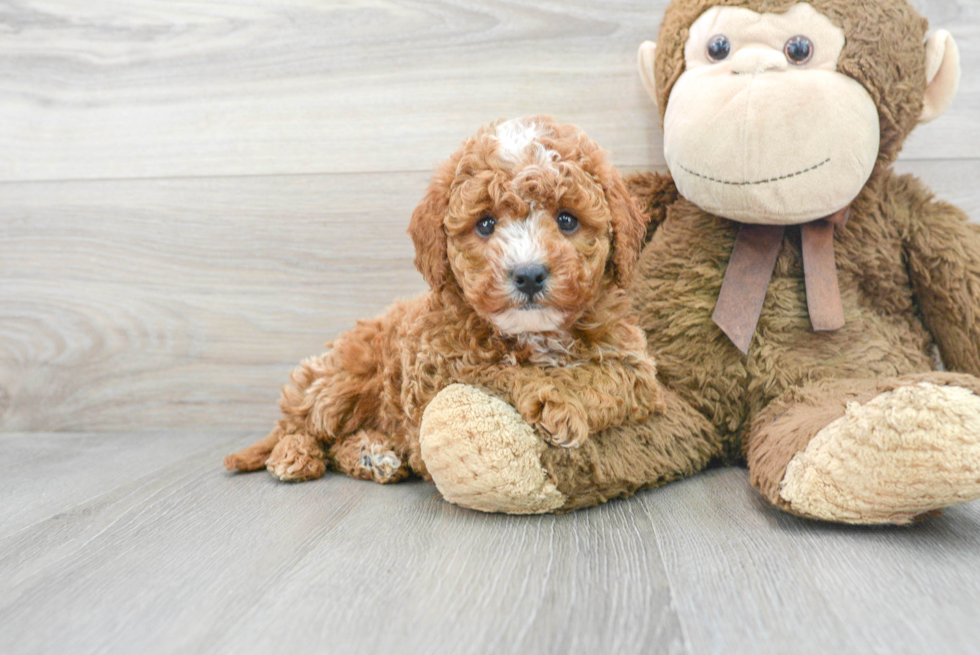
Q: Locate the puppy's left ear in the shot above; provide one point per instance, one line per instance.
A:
(629, 226)
(427, 231)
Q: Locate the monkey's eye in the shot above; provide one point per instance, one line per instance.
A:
(567, 223)
(719, 47)
(799, 50)
(486, 226)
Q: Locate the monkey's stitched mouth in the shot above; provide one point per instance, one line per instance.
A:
(757, 182)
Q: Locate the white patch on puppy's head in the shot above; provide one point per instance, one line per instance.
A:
(515, 136)
(518, 135)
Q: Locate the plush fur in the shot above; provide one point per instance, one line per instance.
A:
(571, 359)
(901, 453)
(909, 274)
(495, 466)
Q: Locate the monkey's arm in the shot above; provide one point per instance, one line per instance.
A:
(654, 193)
(943, 252)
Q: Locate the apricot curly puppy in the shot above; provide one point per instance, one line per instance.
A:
(528, 238)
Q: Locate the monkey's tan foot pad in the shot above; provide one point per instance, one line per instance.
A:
(902, 454)
(482, 455)
(296, 458)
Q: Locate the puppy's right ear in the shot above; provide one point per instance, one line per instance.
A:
(629, 224)
(427, 231)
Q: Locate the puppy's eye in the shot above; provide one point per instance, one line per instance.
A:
(799, 50)
(566, 222)
(486, 226)
(719, 47)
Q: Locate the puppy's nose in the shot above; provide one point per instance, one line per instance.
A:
(530, 278)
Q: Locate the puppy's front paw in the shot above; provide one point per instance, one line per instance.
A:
(297, 457)
(563, 422)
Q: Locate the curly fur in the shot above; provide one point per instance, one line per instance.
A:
(358, 406)
(909, 272)
(908, 264)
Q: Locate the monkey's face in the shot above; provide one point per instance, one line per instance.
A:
(761, 127)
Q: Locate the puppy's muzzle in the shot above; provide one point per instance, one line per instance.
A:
(530, 279)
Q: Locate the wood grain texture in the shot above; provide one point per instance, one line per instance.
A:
(152, 88)
(171, 303)
(186, 302)
(748, 578)
(56, 471)
(183, 557)
(191, 559)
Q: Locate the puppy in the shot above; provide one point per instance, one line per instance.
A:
(528, 238)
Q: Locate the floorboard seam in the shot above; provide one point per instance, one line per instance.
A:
(406, 171)
(670, 582)
(143, 481)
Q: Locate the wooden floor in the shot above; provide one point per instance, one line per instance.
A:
(139, 543)
(195, 195)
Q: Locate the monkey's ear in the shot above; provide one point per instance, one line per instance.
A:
(942, 75)
(427, 231)
(648, 50)
(629, 225)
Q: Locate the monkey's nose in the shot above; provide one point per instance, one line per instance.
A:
(529, 278)
(751, 61)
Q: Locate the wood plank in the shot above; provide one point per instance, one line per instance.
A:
(128, 305)
(58, 471)
(205, 234)
(195, 560)
(961, 18)
(150, 88)
(188, 558)
(747, 578)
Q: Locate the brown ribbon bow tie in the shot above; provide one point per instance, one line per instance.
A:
(750, 269)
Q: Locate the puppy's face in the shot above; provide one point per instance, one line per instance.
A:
(535, 224)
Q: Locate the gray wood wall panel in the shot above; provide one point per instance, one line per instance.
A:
(132, 304)
(185, 299)
(151, 88)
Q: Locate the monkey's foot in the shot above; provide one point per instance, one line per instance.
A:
(905, 453)
(482, 455)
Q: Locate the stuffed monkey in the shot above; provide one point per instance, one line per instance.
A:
(794, 290)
